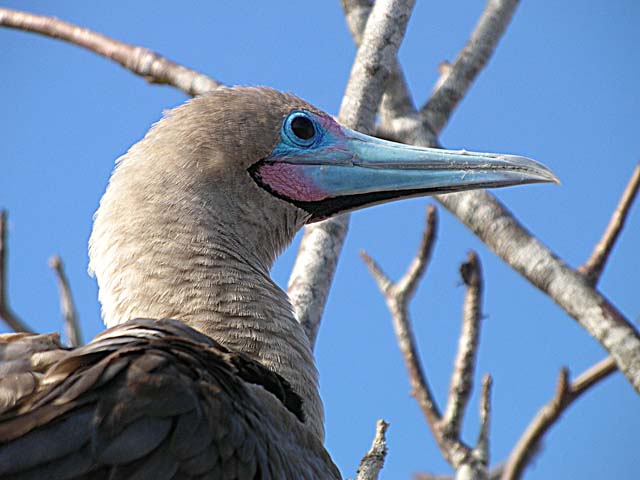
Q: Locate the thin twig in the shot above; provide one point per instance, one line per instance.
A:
(547, 416)
(397, 296)
(373, 461)
(141, 61)
(317, 258)
(6, 313)
(592, 268)
(481, 450)
(465, 362)
(68, 309)
(456, 79)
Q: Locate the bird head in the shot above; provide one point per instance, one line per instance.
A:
(296, 154)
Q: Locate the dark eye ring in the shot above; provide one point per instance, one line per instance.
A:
(300, 129)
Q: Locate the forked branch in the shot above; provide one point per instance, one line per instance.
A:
(566, 393)
(68, 309)
(593, 268)
(468, 462)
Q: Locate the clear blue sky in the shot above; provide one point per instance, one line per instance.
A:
(562, 88)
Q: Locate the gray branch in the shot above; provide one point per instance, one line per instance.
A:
(491, 221)
(593, 268)
(68, 309)
(315, 264)
(456, 79)
(497, 227)
(6, 312)
(566, 393)
(373, 461)
(469, 463)
(464, 365)
(141, 61)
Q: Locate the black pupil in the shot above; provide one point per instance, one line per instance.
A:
(302, 128)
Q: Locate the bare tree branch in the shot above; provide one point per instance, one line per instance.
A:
(6, 313)
(564, 396)
(468, 463)
(322, 243)
(464, 365)
(68, 309)
(481, 450)
(373, 461)
(141, 61)
(456, 79)
(484, 215)
(592, 268)
(397, 296)
(496, 226)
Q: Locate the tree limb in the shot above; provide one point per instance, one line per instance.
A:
(141, 61)
(566, 393)
(6, 313)
(397, 296)
(464, 364)
(373, 461)
(490, 220)
(456, 79)
(322, 243)
(68, 309)
(592, 268)
(469, 463)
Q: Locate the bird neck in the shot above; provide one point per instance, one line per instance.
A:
(175, 250)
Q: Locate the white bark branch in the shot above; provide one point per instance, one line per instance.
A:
(456, 79)
(465, 362)
(315, 264)
(373, 461)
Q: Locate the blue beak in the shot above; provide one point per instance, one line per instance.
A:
(345, 170)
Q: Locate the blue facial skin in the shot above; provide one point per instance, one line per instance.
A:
(340, 162)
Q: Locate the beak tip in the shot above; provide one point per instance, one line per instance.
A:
(534, 168)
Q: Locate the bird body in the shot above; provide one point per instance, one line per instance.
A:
(192, 220)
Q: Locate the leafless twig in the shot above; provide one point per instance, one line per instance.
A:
(464, 365)
(6, 313)
(481, 450)
(317, 258)
(141, 61)
(373, 461)
(592, 268)
(71, 324)
(456, 79)
(397, 297)
(566, 393)
(468, 462)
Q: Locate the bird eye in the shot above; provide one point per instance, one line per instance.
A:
(300, 129)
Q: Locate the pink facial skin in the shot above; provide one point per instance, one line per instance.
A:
(290, 181)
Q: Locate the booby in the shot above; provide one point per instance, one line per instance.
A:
(204, 371)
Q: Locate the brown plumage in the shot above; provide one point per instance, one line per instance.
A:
(153, 400)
